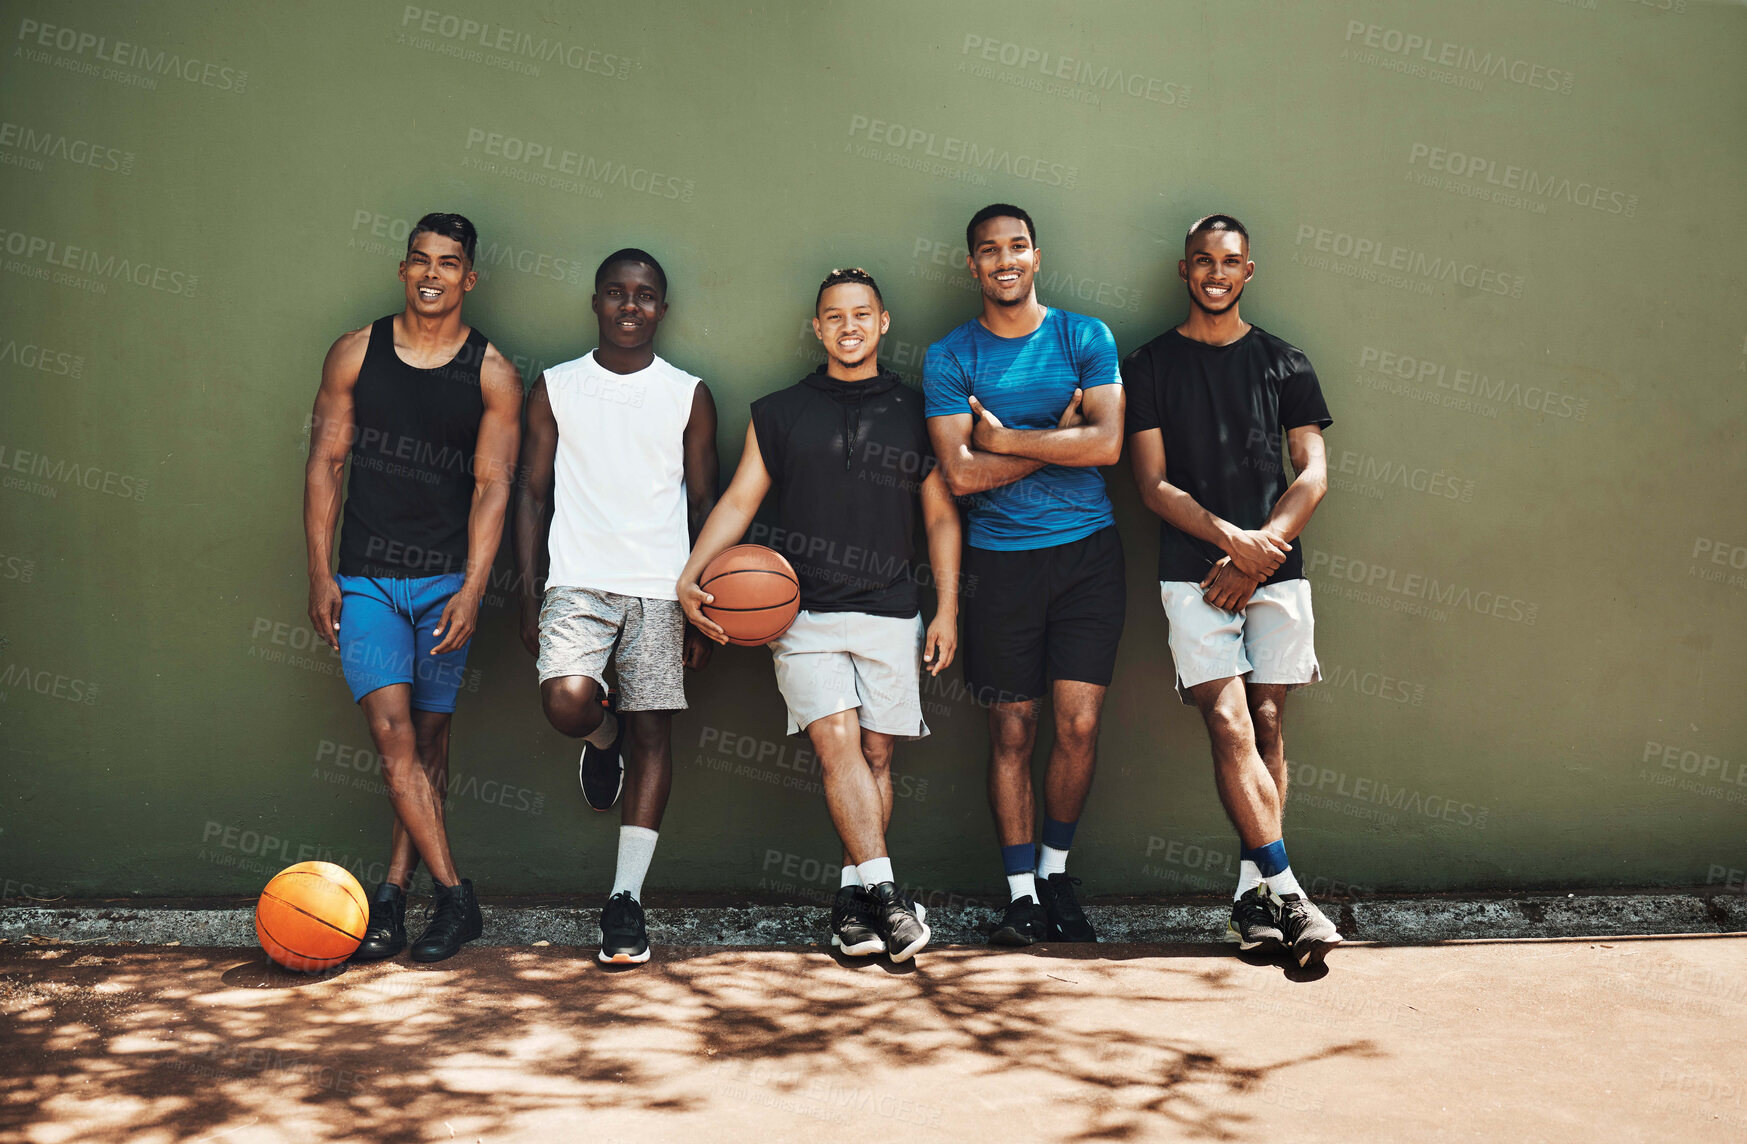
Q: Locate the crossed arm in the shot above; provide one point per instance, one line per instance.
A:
(1251, 555)
(978, 453)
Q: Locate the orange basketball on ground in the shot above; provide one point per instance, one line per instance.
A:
(757, 593)
(311, 916)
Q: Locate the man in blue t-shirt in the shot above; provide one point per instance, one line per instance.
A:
(1024, 403)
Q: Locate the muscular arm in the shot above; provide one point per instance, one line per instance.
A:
(1095, 440)
(1309, 484)
(727, 523)
(945, 542)
(331, 430)
(494, 462)
(702, 471)
(534, 507)
(702, 467)
(1256, 553)
(967, 469)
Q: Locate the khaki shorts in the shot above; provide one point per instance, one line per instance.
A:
(850, 661)
(1270, 641)
(580, 628)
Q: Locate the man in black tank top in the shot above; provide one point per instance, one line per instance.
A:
(428, 412)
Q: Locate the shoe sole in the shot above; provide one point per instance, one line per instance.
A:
(867, 948)
(1313, 957)
(363, 958)
(1009, 936)
(910, 950)
(622, 958)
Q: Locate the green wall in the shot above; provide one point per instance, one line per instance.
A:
(1509, 236)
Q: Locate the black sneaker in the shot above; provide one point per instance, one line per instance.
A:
(1307, 930)
(1067, 922)
(1255, 923)
(898, 921)
(601, 770)
(454, 921)
(852, 923)
(1024, 923)
(624, 938)
(385, 934)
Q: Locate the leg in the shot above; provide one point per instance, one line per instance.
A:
(417, 805)
(1246, 788)
(572, 704)
(851, 793)
(1267, 702)
(877, 748)
(431, 734)
(648, 767)
(1012, 735)
(1073, 755)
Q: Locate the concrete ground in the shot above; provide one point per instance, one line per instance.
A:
(1573, 1039)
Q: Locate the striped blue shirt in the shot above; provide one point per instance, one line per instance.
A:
(1027, 382)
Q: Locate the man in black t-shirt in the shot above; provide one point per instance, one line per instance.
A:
(1210, 404)
(847, 451)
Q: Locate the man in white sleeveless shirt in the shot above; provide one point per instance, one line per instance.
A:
(619, 468)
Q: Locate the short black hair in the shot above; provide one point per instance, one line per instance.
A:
(1215, 222)
(996, 210)
(631, 254)
(851, 274)
(449, 226)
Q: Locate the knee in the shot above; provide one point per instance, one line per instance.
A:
(1265, 718)
(879, 762)
(392, 731)
(1077, 729)
(1012, 735)
(1227, 725)
(572, 707)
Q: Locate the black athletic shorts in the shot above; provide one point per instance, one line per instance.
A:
(1041, 614)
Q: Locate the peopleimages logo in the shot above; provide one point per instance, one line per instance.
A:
(1081, 72)
(52, 253)
(1388, 257)
(546, 159)
(923, 143)
(1415, 50)
(1527, 180)
(1418, 587)
(461, 31)
(35, 36)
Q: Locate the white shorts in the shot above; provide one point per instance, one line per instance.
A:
(1270, 641)
(846, 661)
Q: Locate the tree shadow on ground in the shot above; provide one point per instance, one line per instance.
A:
(167, 1044)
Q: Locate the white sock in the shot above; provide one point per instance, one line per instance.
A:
(1249, 876)
(850, 875)
(636, 848)
(876, 870)
(1051, 861)
(1284, 883)
(1022, 886)
(604, 735)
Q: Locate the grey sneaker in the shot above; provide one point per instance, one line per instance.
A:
(852, 928)
(1255, 923)
(1307, 930)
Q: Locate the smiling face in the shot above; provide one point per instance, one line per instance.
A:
(850, 322)
(437, 275)
(1216, 265)
(629, 304)
(1003, 260)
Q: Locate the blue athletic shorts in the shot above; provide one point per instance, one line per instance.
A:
(387, 630)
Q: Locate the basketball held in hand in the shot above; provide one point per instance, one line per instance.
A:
(757, 594)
